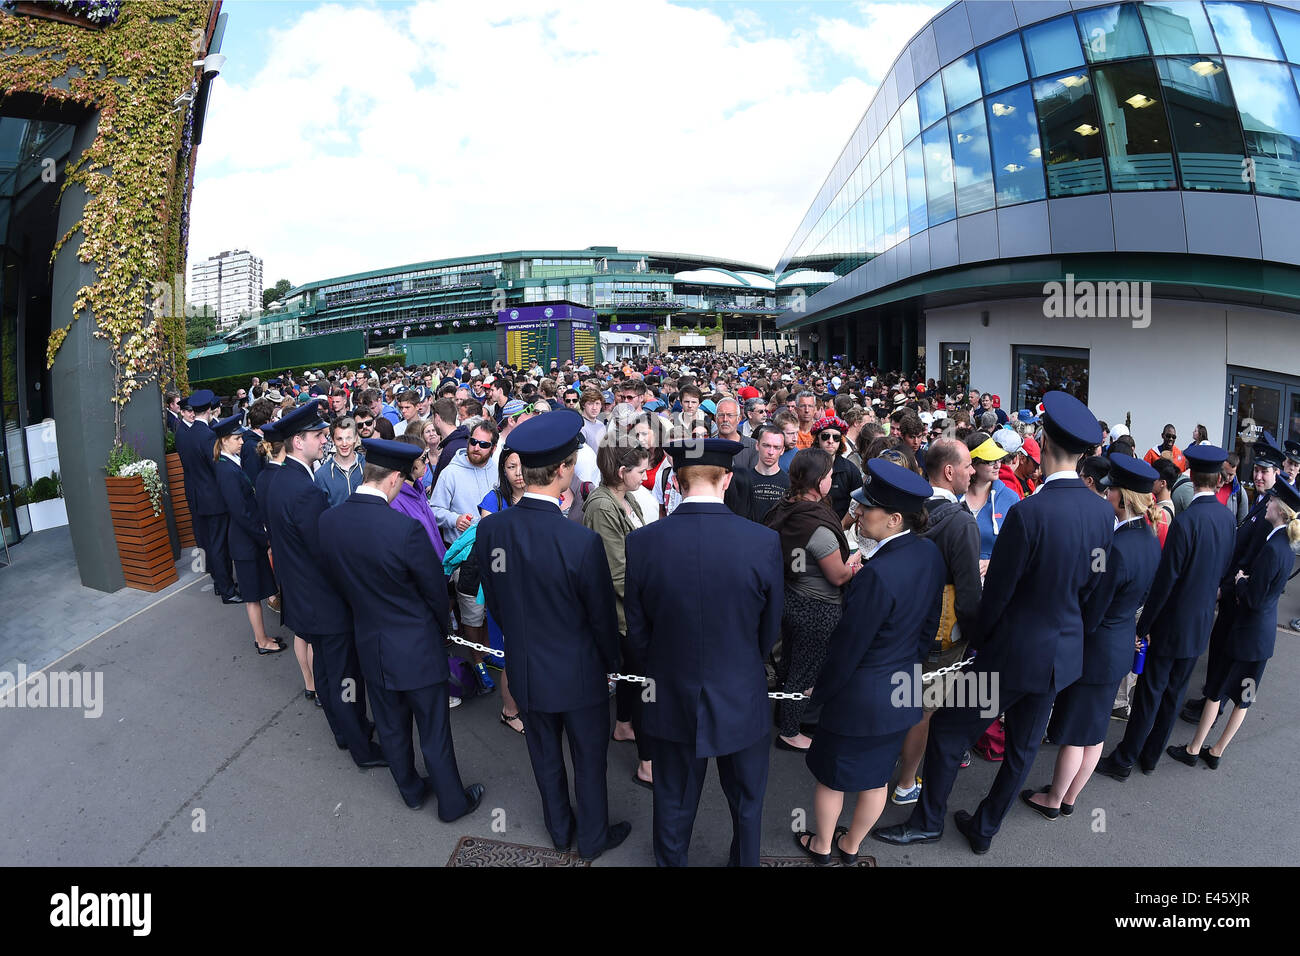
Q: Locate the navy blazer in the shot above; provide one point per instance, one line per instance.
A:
(249, 459)
(1047, 560)
(546, 581)
(248, 538)
(1110, 613)
(194, 445)
(310, 604)
(702, 626)
(400, 609)
(1179, 611)
(262, 489)
(1254, 627)
(891, 613)
(1251, 534)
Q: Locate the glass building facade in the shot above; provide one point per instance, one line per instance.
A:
(1128, 97)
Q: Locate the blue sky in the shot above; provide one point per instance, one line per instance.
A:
(345, 136)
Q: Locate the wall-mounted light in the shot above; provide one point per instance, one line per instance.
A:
(1139, 101)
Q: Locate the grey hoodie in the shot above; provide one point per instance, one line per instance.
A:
(459, 489)
(953, 529)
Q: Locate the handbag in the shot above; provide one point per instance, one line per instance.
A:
(461, 682)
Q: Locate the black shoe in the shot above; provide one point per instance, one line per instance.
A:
(1107, 767)
(636, 779)
(1181, 755)
(261, 651)
(1047, 813)
(821, 859)
(1191, 711)
(617, 834)
(848, 859)
(904, 834)
(316, 700)
(341, 744)
(474, 794)
(309, 694)
(1211, 761)
(376, 759)
(965, 826)
(232, 598)
(1147, 771)
(425, 794)
(1066, 808)
(566, 848)
(782, 745)
(1119, 713)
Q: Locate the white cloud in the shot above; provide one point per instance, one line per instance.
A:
(878, 34)
(377, 136)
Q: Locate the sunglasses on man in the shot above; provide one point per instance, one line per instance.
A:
(365, 423)
(479, 443)
(830, 436)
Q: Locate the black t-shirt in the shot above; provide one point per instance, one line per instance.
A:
(752, 495)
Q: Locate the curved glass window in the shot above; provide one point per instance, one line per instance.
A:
(1002, 64)
(939, 199)
(961, 82)
(1177, 26)
(1287, 23)
(1244, 30)
(1111, 33)
(1017, 154)
(1270, 113)
(914, 158)
(1207, 135)
(1133, 123)
(911, 121)
(972, 166)
(1072, 142)
(929, 97)
(1053, 46)
(901, 211)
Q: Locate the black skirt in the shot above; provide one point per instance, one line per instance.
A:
(1229, 679)
(854, 764)
(255, 578)
(1081, 714)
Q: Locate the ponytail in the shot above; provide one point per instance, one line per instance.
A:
(1293, 532)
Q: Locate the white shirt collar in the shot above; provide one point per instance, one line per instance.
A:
(1275, 531)
(1202, 494)
(1060, 474)
(230, 457)
(708, 499)
(364, 490)
(289, 458)
(943, 493)
(539, 497)
(884, 541)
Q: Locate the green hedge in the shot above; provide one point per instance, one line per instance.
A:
(226, 385)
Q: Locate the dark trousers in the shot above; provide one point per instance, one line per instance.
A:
(1219, 639)
(1156, 700)
(216, 552)
(588, 733)
(679, 780)
(428, 707)
(953, 730)
(342, 691)
(627, 698)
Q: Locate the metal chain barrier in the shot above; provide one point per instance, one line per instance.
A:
(772, 695)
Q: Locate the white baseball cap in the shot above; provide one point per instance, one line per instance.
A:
(1008, 440)
(1117, 431)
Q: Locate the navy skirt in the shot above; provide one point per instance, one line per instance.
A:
(1229, 679)
(1081, 714)
(255, 578)
(854, 764)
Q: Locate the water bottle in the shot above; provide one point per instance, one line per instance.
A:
(1139, 658)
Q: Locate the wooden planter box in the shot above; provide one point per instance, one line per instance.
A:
(143, 544)
(180, 507)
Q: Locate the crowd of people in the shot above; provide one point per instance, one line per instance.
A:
(693, 535)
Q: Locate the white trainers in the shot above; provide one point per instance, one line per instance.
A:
(453, 702)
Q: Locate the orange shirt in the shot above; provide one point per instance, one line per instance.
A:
(805, 440)
(1176, 456)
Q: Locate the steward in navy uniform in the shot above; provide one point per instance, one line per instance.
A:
(1251, 534)
(270, 468)
(1029, 635)
(247, 534)
(401, 618)
(1177, 615)
(546, 582)
(1081, 714)
(891, 614)
(704, 627)
(310, 607)
(1254, 628)
(211, 520)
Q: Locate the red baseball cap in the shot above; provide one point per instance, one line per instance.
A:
(1030, 448)
(997, 401)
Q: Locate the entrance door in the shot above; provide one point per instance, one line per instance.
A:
(1259, 402)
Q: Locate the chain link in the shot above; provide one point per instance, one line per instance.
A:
(772, 695)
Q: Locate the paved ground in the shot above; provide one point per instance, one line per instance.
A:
(206, 753)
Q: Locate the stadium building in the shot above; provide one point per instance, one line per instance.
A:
(1099, 197)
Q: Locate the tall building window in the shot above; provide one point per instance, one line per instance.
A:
(1270, 114)
(1072, 143)
(1207, 134)
(1111, 33)
(1038, 370)
(972, 167)
(1134, 126)
(1244, 30)
(1053, 46)
(938, 174)
(1017, 154)
(1177, 27)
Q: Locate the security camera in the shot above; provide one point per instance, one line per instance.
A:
(212, 63)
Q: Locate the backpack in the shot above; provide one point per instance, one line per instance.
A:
(993, 745)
